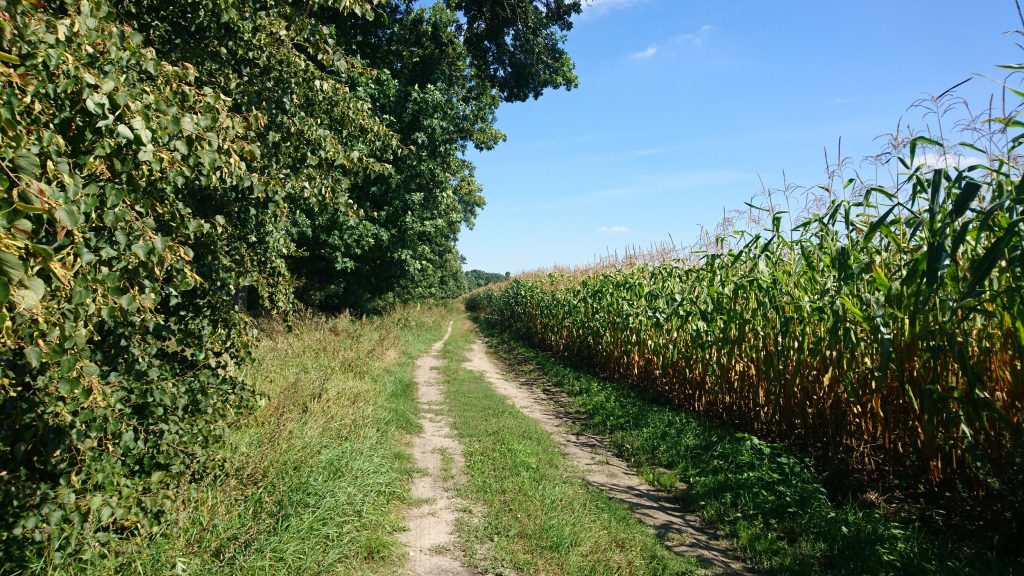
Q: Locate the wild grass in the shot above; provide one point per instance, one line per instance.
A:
(530, 511)
(767, 498)
(314, 482)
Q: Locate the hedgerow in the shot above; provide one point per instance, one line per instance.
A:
(119, 335)
(163, 162)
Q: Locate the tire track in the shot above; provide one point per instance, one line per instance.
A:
(682, 532)
(431, 536)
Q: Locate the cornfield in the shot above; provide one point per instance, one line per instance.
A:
(884, 332)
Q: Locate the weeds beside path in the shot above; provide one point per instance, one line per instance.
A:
(317, 481)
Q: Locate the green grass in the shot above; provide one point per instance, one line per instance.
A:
(766, 498)
(530, 511)
(315, 482)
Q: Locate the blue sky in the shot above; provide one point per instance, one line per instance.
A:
(682, 106)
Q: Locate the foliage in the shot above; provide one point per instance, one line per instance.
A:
(437, 85)
(884, 334)
(516, 44)
(403, 247)
(318, 133)
(478, 278)
(317, 476)
(119, 338)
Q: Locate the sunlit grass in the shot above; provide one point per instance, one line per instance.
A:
(315, 481)
(530, 510)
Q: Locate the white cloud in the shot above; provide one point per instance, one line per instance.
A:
(599, 7)
(931, 160)
(613, 229)
(697, 38)
(650, 51)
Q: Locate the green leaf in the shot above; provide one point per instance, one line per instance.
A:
(873, 228)
(9, 58)
(967, 195)
(12, 267)
(36, 285)
(5, 291)
(43, 251)
(26, 298)
(34, 356)
(67, 216)
(926, 140)
(27, 163)
(933, 202)
(91, 104)
(90, 369)
(141, 249)
(125, 132)
(31, 209)
(982, 267)
(22, 227)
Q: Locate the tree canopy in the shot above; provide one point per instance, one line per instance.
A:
(478, 278)
(517, 44)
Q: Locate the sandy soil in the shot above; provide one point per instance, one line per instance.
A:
(681, 531)
(431, 538)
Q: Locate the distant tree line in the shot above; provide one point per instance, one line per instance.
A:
(158, 158)
(478, 278)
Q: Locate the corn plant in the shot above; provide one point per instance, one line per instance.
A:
(883, 333)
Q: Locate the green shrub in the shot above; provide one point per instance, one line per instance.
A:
(118, 334)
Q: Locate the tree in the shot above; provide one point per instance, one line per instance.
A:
(516, 45)
(147, 175)
(318, 132)
(437, 92)
(478, 278)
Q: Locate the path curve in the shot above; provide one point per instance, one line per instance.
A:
(683, 532)
(431, 538)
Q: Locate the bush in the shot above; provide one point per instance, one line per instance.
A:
(119, 334)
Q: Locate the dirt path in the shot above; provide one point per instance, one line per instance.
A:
(681, 531)
(431, 520)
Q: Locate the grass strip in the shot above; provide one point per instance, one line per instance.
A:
(315, 481)
(533, 513)
(766, 498)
